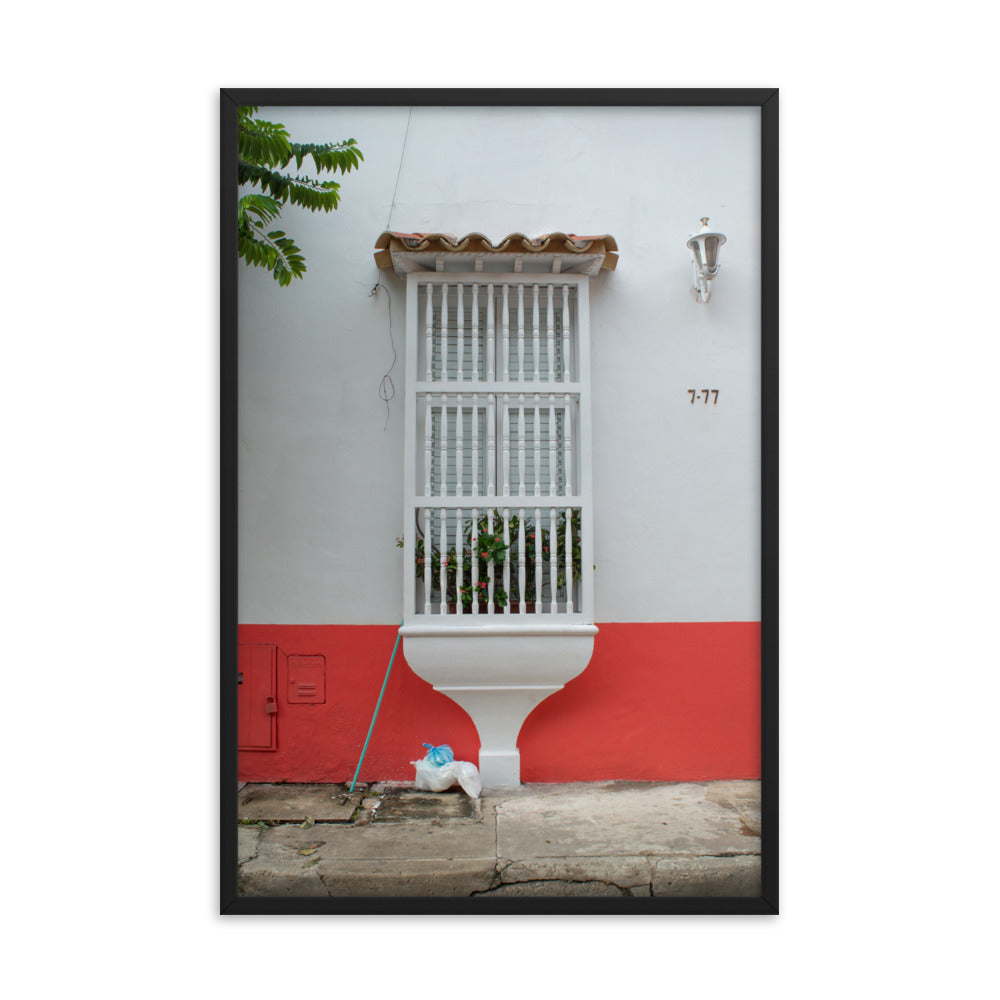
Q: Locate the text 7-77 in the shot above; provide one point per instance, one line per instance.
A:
(704, 394)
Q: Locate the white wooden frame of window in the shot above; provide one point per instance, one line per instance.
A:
(418, 389)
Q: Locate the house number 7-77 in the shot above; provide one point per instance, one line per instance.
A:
(703, 395)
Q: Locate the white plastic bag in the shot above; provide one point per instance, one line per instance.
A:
(433, 778)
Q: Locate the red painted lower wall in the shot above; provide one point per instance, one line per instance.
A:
(658, 702)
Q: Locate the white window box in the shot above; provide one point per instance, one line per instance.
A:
(497, 462)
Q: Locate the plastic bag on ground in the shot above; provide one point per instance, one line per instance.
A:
(439, 755)
(435, 778)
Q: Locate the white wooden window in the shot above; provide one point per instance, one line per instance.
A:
(498, 446)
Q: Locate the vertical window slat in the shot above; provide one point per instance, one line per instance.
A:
(536, 446)
(553, 472)
(553, 562)
(490, 334)
(442, 525)
(475, 333)
(522, 561)
(475, 443)
(474, 558)
(537, 528)
(459, 457)
(535, 333)
(568, 448)
(428, 437)
(444, 333)
(565, 334)
(429, 331)
(428, 545)
(506, 558)
(550, 315)
(460, 334)
(506, 444)
(443, 431)
(520, 333)
(491, 483)
(520, 445)
(460, 561)
(505, 340)
(568, 542)
(491, 567)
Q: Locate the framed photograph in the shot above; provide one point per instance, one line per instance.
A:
(499, 468)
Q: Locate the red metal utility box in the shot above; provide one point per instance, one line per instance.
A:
(258, 706)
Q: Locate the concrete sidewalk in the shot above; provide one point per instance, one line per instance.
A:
(595, 839)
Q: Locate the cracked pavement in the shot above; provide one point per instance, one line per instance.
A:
(594, 839)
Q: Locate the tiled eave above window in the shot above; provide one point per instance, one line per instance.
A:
(553, 253)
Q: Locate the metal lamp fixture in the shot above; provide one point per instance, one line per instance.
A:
(704, 247)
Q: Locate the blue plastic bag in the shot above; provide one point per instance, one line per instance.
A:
(439, 755)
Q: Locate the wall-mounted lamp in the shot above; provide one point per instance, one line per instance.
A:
(704, 247)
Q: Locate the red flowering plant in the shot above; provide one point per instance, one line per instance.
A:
(490, 548)
(537, 549)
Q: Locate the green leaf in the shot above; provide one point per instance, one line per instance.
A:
(263, 146)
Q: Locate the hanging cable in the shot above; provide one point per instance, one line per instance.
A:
(386, 388)
(399, 169)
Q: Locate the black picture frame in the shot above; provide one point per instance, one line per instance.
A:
(767, 100)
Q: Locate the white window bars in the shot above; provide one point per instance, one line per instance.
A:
(498, 500)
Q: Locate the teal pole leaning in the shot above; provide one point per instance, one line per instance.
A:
(378, 705)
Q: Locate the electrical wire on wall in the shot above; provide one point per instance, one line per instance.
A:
(399, 169)
(386, 389)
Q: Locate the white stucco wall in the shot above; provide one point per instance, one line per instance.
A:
(676, 485)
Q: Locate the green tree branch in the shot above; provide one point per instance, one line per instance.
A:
(263, 146)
